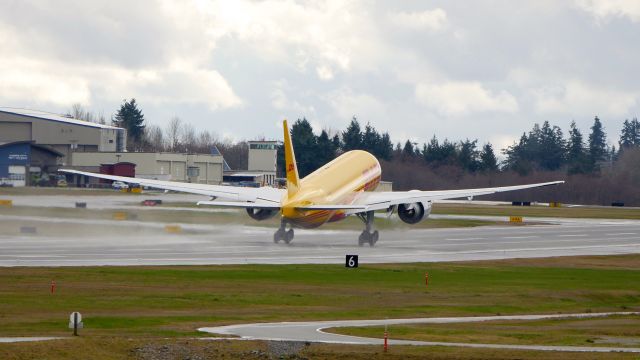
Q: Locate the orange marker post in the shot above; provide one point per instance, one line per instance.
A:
(53, 286)
(426, 279)
(386, 345)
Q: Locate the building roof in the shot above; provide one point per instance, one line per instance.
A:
(34, 145)
(37, 114)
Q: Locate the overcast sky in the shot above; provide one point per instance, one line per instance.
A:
(457, 69)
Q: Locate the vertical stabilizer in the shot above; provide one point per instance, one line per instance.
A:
(290, 162)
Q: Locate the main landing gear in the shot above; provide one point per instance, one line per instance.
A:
(367, 236)
(283, 233)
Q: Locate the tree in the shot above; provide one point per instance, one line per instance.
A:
(468, 155)
(385, 147)
(132, 119)
(305, 146)
(630, 134)
(518, 156)
(174, 133)
(597, 145)
(188, 138)
(352, 137)
(153, 138)
(370, 140)
(576, 152)
(326, 149)
(552, 147)
(408, 151)
(488, 160)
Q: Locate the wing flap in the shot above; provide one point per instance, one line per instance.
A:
(241, 204)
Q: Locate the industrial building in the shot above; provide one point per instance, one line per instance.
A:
(30, 134)
(263, 157)
(24, 163)
(195, 168)
(59, 132)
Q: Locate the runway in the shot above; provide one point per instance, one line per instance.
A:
(145, 243)
(313, 332)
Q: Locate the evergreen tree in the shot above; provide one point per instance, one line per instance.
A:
(132, 119)
(326, 149)
(370, 140)
(305, 146)
(576, 152)
(552, 147)
(436, 154)
(488, 160)
(630, 134)
(597, 145)
(519, 156)
(468, 155)
(352, 137)
(385, 147)
(408, 151)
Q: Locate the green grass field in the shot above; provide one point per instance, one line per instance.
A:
(172, 302)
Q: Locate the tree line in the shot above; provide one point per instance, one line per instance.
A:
(599, 173)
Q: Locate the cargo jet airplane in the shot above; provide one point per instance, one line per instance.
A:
(338, 189)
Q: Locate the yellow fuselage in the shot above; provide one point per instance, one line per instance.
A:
(337, 182)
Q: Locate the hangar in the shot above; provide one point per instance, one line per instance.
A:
(24, 163)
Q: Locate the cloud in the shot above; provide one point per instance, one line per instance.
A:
(605, 9)
(432, 20)
(578, 97)
(346, 103)
(458, 98)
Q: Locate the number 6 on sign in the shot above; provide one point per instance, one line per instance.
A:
(351, 261)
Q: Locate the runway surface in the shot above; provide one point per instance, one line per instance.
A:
(313, 332)
(112, 242)
(233, 244)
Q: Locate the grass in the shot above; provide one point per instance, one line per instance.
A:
(614, 331)
(128, 308)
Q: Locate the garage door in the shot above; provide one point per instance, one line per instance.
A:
(17, 175)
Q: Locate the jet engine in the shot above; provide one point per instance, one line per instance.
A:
(261, 214)
(413, 213)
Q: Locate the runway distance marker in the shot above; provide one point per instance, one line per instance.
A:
(351, 261)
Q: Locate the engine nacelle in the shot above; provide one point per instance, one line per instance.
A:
(414, 213)
(261, 214)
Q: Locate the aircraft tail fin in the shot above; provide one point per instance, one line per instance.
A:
(290, 162)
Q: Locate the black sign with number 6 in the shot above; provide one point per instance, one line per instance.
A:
(351, 261)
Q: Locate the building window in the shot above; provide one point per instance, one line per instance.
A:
(262, 146)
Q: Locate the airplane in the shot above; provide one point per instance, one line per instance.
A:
(340, 188)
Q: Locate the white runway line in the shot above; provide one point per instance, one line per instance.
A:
(313, 331)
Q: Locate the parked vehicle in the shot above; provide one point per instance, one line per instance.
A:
(119, 185)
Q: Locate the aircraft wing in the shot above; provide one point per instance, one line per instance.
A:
(384, 199)
(244, 196)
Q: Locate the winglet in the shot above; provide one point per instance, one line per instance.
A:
(290, 162)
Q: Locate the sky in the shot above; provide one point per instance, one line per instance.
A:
(485, 70)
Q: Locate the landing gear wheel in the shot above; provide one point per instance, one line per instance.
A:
(288, 236)
(278, 235)
(362, 239)
(374, 238)
(368, 238)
